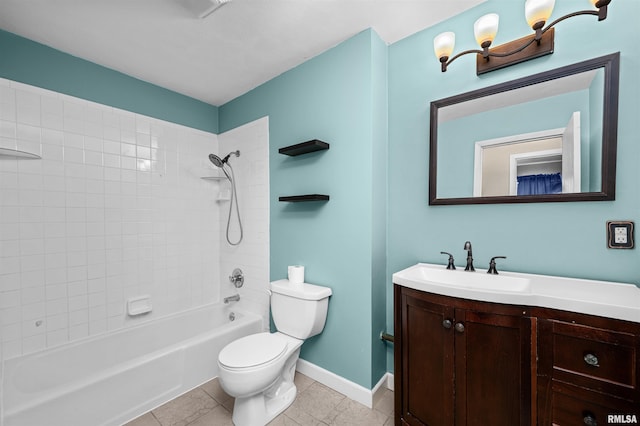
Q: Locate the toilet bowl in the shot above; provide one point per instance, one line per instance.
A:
(258, 370)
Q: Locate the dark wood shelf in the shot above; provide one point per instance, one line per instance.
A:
(304, 148)
(300, 198)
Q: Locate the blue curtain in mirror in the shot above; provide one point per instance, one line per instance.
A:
(540, 184)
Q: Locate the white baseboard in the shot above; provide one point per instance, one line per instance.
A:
(346, 387)
(390, 382)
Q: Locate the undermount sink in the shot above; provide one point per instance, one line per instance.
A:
(439, 276)
(603, 298)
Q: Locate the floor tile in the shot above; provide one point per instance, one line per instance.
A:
(185, 409)
(384, 403)
(282, 420)
(352, 413)
(144, 420)
(219, 416)
(302, 382)
(213, 388)
(315, 405)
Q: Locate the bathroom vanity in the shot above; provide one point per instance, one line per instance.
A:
(513, 349)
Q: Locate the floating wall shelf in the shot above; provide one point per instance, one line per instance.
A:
(299, 149)
(300, 198)
(304, 148)
(213, 177)
(14, 153)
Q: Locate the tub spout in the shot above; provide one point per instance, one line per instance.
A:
(233, 298)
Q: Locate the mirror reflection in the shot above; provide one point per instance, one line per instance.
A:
(535, 139)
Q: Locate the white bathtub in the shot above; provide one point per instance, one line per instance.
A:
(113, 378)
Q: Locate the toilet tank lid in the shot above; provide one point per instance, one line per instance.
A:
(301, 291)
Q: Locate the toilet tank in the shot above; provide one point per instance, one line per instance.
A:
(299, 310)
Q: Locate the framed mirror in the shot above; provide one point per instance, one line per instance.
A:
(548, 137)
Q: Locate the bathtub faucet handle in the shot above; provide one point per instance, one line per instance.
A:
(237, 278)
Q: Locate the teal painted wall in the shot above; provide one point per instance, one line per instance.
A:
(565, 239)
(379, 207)
(32, 63)
(339, 97)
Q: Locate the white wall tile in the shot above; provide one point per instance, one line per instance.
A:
(115, 208)
(252, 183)
(28, 107)
(57, 337)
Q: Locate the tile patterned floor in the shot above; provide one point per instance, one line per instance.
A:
(315, 405)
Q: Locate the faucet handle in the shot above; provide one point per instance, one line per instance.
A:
(450, 264)
(237, 278)
(492, 265)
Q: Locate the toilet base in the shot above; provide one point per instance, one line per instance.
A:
(260, 409)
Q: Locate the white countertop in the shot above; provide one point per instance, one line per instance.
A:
(602, 298)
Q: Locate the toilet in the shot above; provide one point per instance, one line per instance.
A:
(258, 369)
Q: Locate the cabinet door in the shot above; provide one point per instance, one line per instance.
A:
(427, 363)
(493, 369)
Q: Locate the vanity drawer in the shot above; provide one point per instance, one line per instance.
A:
(572, 407)
(595, 358)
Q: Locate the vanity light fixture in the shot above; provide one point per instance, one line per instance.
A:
(537, 13)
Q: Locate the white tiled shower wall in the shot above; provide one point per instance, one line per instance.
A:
(115, 208)
(252, 184)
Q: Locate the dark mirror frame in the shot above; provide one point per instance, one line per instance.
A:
(611, 65)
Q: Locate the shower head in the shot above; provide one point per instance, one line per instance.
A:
(219, 162)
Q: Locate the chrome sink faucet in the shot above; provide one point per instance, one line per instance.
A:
(469, 267)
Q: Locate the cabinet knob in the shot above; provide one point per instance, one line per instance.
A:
(460, 327)
(590, 420)
(447, 323)
(591, 360)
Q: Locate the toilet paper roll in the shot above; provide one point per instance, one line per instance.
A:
(296, 274)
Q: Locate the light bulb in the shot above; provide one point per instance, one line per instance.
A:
(537, 12)
(485, 29)
(443, 44)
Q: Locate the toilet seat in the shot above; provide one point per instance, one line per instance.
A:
(252, 351)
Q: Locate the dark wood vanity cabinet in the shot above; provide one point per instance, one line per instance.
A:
(587, 369)
(460, 362)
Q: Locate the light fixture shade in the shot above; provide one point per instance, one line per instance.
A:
(593, 2)
(538, 11)
(444, 43)
(486, 28)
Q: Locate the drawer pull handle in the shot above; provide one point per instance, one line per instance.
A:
(589, 420)
(591, 360)
(460, 327)
(447, 323)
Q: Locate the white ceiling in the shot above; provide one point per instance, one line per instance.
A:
(241, 45)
